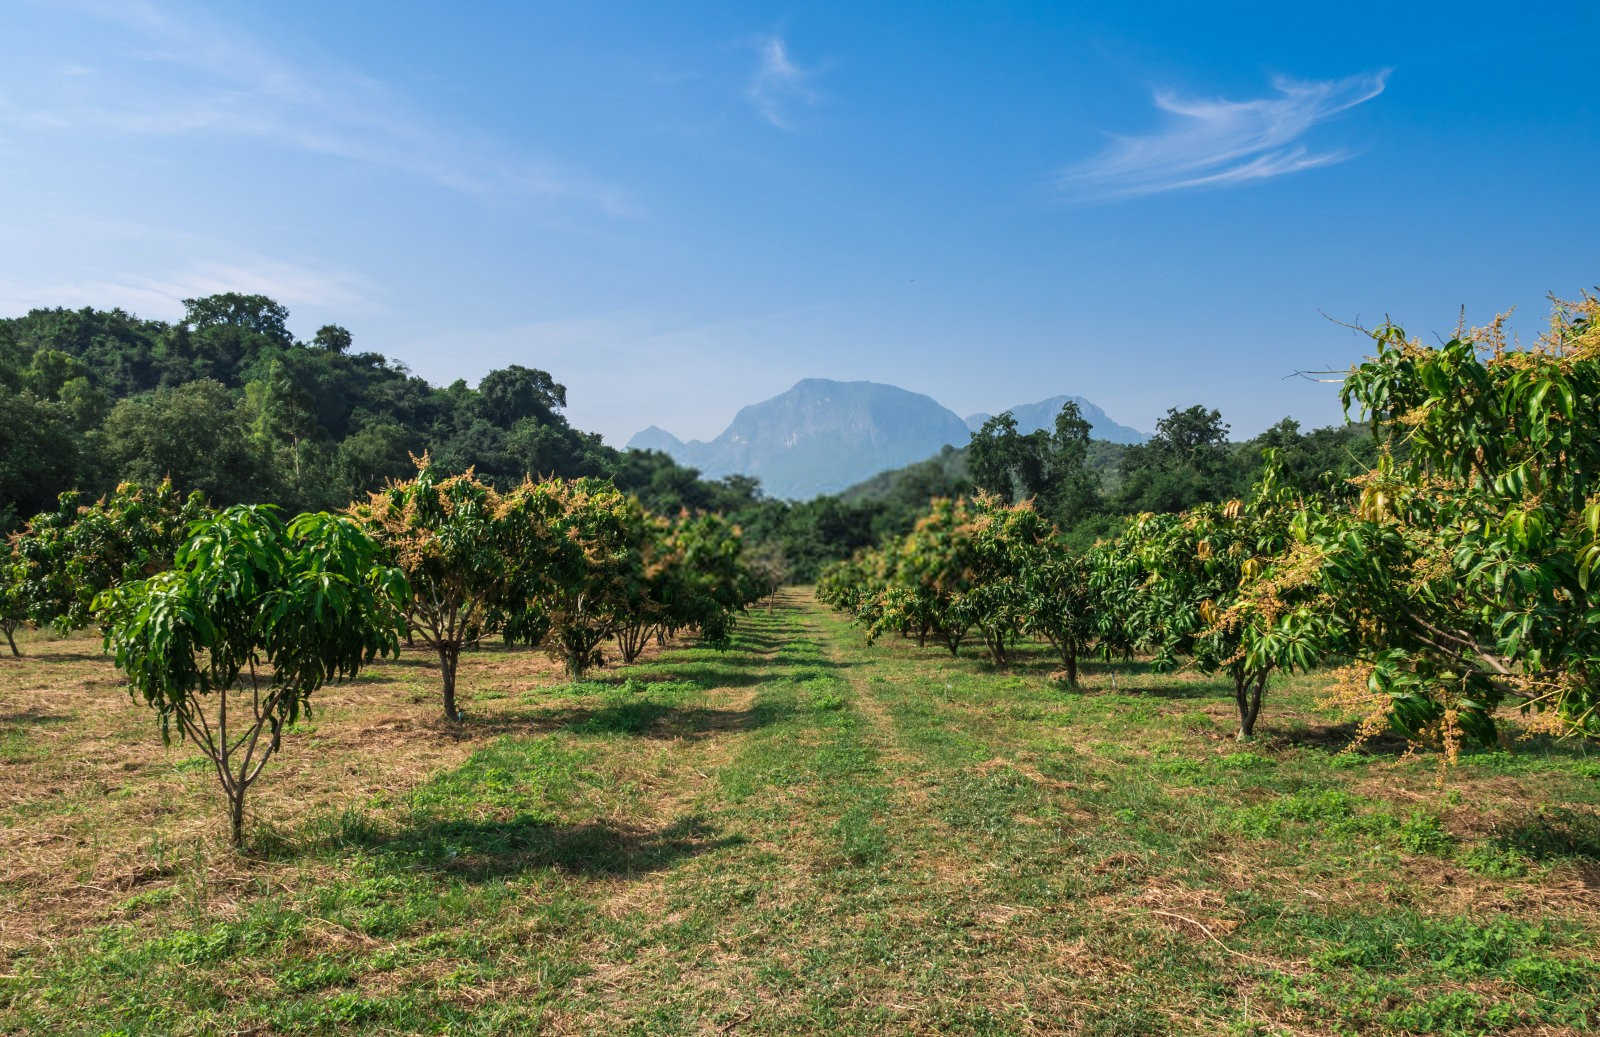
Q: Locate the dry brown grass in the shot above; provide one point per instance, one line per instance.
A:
(899, 843)
(95, 806)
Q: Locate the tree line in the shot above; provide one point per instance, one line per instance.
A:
(226, 401)
(1456, 574)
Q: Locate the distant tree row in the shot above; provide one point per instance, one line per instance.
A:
(1086, 487)
(1458, 573)
(226, 622)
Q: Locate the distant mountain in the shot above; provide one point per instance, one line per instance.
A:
(656, 438)
(1031, 416)
(824, 436)
(819, 437)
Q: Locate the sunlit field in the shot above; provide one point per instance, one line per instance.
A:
(802, 833)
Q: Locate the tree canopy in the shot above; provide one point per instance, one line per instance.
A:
(227, 402)
(228, 645)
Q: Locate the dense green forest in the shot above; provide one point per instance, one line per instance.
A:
(228, 402)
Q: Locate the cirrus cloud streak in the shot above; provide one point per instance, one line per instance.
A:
(1218, 143)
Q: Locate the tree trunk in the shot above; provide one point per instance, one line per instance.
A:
(997, 648)
(1247, 694)
(236, 815)
(1071, 659)
(12, 641)
(449, 656)
(631, 642)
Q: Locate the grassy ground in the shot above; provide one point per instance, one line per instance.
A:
(804, 833)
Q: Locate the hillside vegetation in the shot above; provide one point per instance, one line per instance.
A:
(227, 402)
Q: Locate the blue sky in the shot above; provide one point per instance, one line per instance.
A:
(680, 209)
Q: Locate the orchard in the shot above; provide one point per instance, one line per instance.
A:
(1456, 576)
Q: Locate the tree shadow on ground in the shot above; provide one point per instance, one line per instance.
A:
(414, 659)
(31, 718)
(643, 718)
(1161, 686)
(56, 657)
(1333, 738)
(1037, 660)
(1095, 666)
(480, 850)
(1552, 834)
(724, 673)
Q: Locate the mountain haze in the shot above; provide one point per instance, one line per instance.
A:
(1042, 415)
(823, 436)
(819, 437)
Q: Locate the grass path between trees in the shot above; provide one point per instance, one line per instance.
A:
(802, 834)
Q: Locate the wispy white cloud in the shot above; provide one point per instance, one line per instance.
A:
(1215, 143)
(162, 296)
(184, 72)
(779, 85)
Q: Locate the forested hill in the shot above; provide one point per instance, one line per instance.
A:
(228, 402)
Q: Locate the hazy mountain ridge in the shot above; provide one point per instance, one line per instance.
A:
(822, 436)
(1042, 415)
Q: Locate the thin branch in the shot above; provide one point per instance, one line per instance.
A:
(1213, 938)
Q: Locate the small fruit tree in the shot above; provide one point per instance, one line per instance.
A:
(1002, 544)
(255, 615)
(926, 577)
(582, 565)
(1467, 575)
(448, 536)
(63, 558)
(647, 612)
(848, 585)
(716, 577)
(1063, 607)
(1186, 597)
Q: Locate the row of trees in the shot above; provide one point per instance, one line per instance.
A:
(225, 622)
(570, 566)
(1088, 488)
(987, 570)
(1459, 574)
